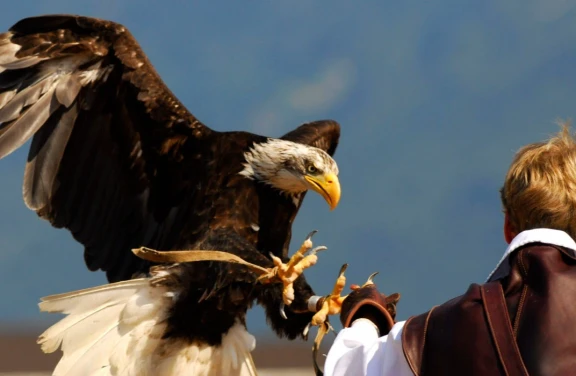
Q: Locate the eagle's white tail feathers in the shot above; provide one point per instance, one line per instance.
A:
(80, 305)
(117, 329)
(232, 358)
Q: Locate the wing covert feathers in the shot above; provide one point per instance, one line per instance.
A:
(117, 329)
(322, 134)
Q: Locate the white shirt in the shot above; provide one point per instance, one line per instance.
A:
(359, 350)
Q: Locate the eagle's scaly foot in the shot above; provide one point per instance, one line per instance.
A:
(332, 303)
(288, 272)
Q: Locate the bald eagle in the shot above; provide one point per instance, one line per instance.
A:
(117, 160)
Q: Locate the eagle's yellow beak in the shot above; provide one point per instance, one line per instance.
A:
(328, 186)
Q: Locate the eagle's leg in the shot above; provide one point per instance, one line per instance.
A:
(288, 272)
(332, 303)
(326, 306)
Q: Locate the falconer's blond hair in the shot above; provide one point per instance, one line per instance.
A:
(540, 186)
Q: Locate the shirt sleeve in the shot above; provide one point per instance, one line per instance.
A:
(358, 350)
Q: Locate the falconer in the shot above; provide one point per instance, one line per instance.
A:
(521, 321)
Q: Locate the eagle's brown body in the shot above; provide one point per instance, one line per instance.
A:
(120, 162)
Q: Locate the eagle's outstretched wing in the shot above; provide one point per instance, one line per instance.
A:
(108, 137)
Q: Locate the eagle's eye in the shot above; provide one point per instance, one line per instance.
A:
(312, 169)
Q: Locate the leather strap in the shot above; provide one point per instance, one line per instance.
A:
(149, 254)
(501, 329)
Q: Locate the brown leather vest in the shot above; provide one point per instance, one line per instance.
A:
(540, 292)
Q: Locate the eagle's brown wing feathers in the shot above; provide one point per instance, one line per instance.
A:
(105, 129)
(323, 134)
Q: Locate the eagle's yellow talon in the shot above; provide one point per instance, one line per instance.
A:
(332, 304)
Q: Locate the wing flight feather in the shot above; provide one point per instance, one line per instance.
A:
(108, 136)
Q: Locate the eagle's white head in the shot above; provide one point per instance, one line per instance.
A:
(293, 168)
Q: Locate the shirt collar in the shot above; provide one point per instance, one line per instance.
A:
(538, 235)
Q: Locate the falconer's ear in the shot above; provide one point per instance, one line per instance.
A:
(509, 231)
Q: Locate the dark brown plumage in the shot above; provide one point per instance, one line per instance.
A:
(121, 163)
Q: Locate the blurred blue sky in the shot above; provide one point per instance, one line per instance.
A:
(433, 97)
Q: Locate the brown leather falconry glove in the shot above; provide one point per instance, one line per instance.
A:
(368, 303)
